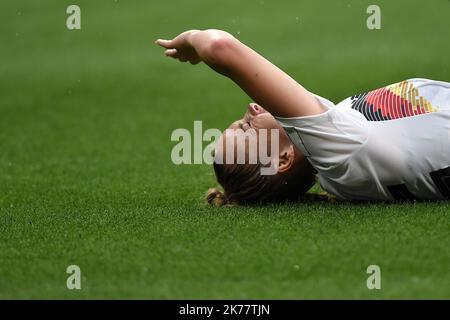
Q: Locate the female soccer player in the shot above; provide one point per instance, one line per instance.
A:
(391, 143)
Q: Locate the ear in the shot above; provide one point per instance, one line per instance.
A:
(286, 159)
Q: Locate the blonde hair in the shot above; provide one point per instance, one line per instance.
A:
(216, 198)
(243, 184)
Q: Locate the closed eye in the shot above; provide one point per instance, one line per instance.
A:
(245, 125)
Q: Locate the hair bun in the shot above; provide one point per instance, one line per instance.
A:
(215, 197)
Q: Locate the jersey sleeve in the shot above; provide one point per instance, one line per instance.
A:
(330, 138)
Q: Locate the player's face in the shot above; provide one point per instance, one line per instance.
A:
(255, 118)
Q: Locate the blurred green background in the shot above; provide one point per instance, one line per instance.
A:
(85, 170)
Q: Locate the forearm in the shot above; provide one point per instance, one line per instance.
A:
(264, 82)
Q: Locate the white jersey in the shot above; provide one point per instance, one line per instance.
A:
(392, 143)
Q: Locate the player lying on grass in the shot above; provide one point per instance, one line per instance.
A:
(392, 143)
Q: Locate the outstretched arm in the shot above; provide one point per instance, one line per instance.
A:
(264, 82)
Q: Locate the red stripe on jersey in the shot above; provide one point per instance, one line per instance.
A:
(400, 100)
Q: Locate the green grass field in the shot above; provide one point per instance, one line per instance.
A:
(86, 176)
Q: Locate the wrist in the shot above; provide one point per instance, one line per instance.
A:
(213, 45)
(191, 37)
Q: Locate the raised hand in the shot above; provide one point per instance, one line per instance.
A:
(181, 47)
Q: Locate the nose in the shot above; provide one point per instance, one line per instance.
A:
(255, 109)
